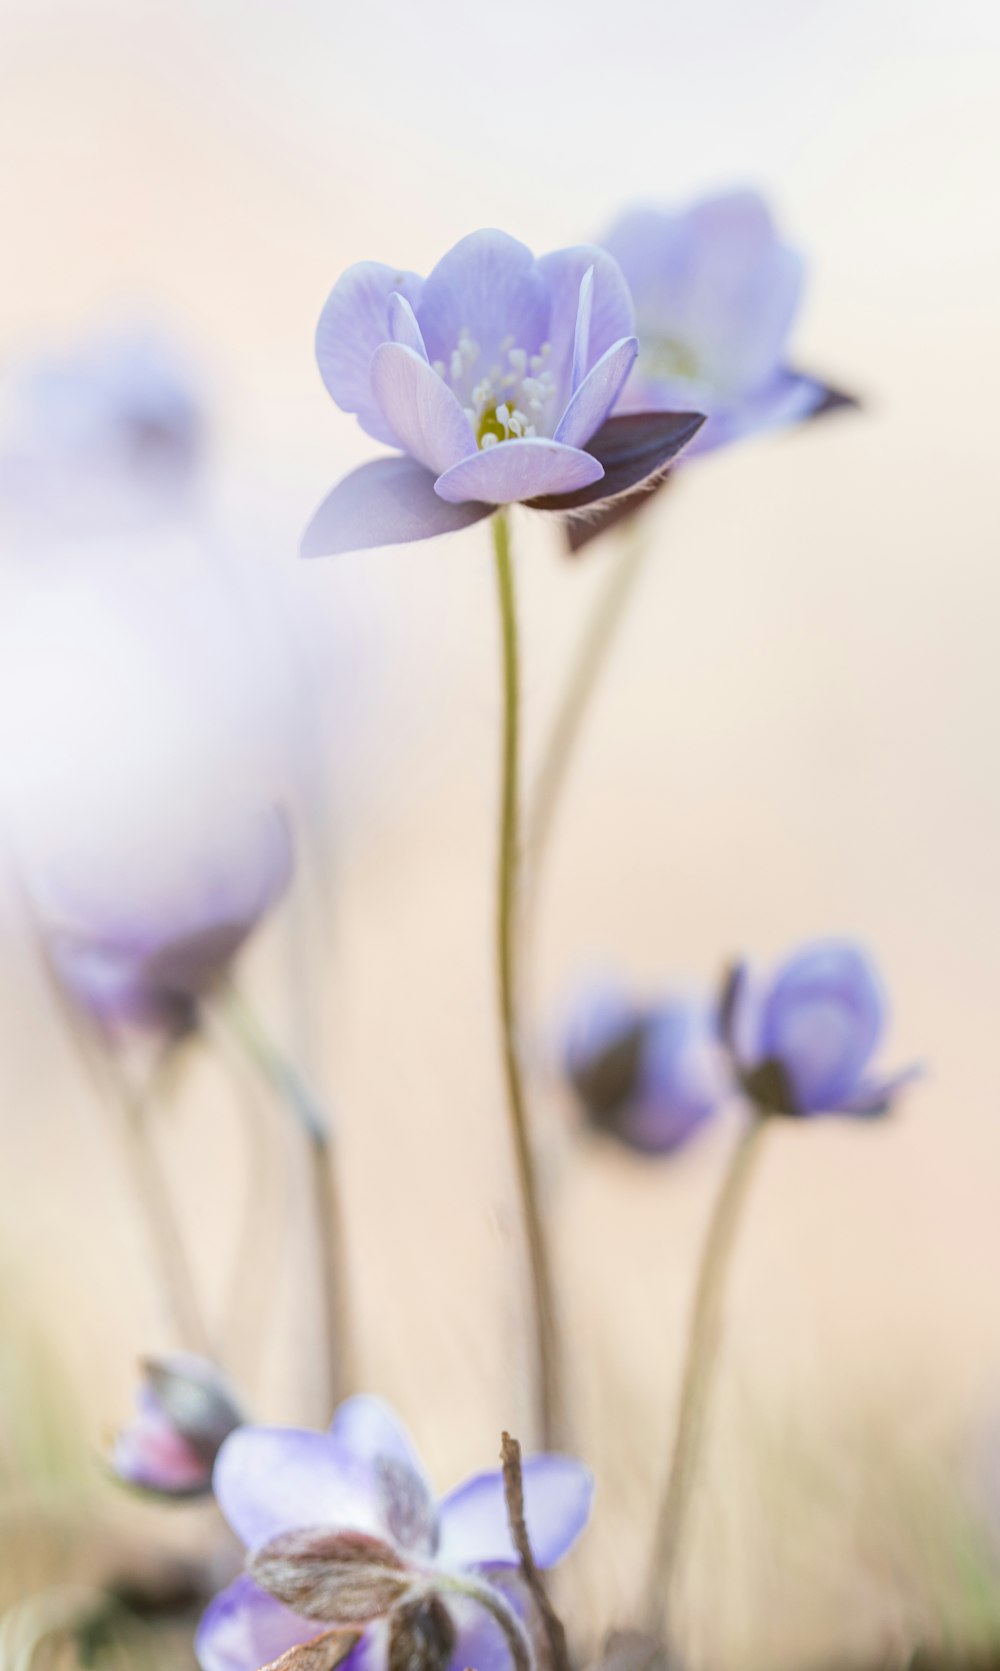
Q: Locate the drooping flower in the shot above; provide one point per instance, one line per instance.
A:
(314, 1508)
(107, 434)
(716, 293)
(804, 1040)
(185, 1409)
(149, 964)
(649, 1075)
(495, 378)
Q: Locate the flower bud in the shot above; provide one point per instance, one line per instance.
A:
(185, 1408)
(648, 1076)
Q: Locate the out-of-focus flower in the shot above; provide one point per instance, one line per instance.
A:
(495, 378)
(804, 1041)
(648, 1075)
(346, 1526)
(110, 434)
(185, 1408)
(716, 293)
(151, 965)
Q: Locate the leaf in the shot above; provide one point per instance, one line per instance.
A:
(345, 1578)
(323, 1653)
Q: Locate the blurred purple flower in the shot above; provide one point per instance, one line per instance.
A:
(149, 966)
(110, 433)
(359, 1481)
(648, 1075)
(716, 293)
(494, 377)
(805, 1039)
(185, 1408)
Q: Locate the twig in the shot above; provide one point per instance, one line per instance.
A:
(513, 1488)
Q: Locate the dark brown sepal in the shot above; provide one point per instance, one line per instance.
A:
(421, 1636)
(344, 1578)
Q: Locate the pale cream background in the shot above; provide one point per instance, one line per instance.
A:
(799, 733)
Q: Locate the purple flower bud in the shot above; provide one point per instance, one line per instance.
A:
(805, 1039)
(149, 965)
(648, 1076)
(185, 1408)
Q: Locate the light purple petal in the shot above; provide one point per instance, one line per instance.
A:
(403, 325)
(368, 1428)
(715, 281)
(787, 398)
(612, 315)
(419, 408)
(597, 394)
(581, 339)
(480, 1642)
(489, 285)
(270, 1480)
(557, 1497)
(371, 1432)
(390, 501)
(243, 1629)
(822, 1019)
(354, 321)
(876, 1095)
(515, 470)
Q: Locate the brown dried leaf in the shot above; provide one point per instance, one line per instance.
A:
(323, 1653)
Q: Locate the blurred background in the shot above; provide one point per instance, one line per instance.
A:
(799, 734)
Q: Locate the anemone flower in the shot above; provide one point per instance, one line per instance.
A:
(346, 1535)
(495, 379)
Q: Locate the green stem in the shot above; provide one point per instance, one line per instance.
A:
(704, 1335)
(508, 928)
(499, 1608)
(292, 1090)
(588, 665)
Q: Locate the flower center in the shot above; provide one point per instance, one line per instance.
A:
(512, 401)
(669, 358)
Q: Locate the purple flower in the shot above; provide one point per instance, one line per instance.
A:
(494, 378)
(805, 1039)
(185, 1408)
(292, 1495)
(149, 965)
(716, 293)
(107, 434)
(649, 1075)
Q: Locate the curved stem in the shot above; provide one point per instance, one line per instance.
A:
(297, 1096)
(507, 930)
(497, 1605)
(702, 1352)
(588, 665)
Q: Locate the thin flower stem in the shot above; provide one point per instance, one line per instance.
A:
(588, 665)
(497, 1605)
(704, 1335)
(139, 1152)
(283, 1078)
(130, 1110)
(508, 930)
